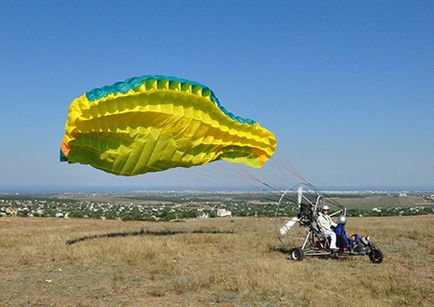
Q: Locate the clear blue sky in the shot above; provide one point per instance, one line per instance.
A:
(346, 86)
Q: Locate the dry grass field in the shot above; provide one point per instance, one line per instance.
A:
(37, 268)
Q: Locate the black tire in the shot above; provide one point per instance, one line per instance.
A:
(296, 254)
(376, 255)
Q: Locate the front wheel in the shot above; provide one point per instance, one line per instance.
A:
(376, 255)
(296, 254)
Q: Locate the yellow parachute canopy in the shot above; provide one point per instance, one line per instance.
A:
(153, 123)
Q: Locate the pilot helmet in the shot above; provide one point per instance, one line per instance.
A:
(342, 219)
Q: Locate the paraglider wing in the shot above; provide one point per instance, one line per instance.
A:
(153, 123)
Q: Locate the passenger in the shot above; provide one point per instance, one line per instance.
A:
(327, 225)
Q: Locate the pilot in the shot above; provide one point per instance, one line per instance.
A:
(327, 225)
(343, 241)
(353, 243)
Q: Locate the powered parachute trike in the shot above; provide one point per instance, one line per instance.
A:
(309, 202)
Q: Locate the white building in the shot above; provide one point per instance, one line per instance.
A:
(223, 212)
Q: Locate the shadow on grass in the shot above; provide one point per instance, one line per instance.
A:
(281, 249)
(143, 232)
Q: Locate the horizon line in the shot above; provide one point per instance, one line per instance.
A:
(49, 189)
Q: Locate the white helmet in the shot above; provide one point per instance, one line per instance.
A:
(325, 207)
(342, 219)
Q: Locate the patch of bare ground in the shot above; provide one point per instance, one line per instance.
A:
(37, 268)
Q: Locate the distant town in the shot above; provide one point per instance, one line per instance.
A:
(167, 206)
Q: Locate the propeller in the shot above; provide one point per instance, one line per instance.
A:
(299, 195)
(287, 227)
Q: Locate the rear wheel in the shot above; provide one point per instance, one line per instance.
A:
(296, 254)
(376, 255)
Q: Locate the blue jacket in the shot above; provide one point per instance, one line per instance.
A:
(340, 231)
